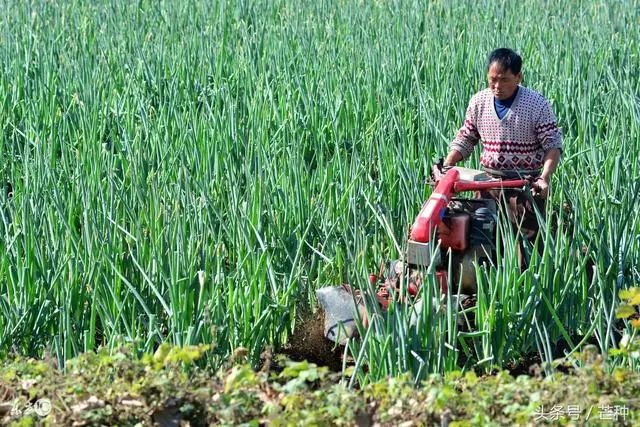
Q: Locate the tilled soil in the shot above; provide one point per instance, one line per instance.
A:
(309, 343)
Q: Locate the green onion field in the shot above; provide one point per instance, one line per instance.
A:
(190, 172)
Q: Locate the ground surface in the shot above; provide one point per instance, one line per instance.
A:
(166, 389)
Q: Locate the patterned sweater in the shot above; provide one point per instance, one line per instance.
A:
(519, 141)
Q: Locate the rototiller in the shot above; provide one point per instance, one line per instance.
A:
(463, 229)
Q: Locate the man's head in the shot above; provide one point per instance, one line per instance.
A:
(504, 72)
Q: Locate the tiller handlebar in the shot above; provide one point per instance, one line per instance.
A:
(446, 186)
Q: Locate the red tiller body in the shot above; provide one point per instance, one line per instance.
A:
(430, 215)
(454, 232)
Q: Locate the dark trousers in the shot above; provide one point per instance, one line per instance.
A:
(519, 208)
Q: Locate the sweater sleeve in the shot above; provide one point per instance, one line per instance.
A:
(467, 137)
(547, 131)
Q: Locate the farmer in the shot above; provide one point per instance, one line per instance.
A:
(519, 133)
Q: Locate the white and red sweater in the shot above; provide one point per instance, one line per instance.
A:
(516, 143)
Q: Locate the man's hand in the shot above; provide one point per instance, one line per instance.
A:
(541, 187)
(453, 157)
(550, 163)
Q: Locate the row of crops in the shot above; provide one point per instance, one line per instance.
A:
(190, 171)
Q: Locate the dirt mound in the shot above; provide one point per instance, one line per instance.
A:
(309, 343)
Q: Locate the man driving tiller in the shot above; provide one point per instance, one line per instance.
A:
(519, 133)
(522, 145)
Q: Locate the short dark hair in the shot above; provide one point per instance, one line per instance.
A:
(506, 58)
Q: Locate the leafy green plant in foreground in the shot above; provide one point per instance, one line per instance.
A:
(119, 388)
(629, 310)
